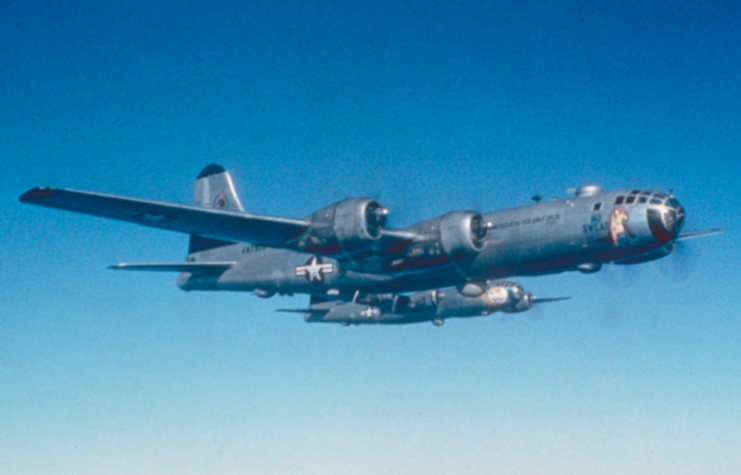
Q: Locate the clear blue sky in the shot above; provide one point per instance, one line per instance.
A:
(431, 106)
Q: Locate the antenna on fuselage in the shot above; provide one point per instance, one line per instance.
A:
(537, 198)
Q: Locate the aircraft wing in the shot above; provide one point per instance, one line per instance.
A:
(226, 225)
(259, 230)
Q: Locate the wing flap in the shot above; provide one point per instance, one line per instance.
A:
(217, 224)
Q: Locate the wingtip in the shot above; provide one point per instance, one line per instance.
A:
(212, 169)
(36, 194)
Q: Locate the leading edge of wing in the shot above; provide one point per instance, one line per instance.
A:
(218, 224)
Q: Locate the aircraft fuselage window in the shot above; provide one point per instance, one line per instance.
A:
(619, 200)
(630, 199)
(597, 207)
(642, 199)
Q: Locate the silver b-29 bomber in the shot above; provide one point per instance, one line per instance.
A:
(358, 271)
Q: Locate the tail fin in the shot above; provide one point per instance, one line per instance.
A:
(214, 189)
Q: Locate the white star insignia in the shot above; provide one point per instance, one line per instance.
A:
(314, 270)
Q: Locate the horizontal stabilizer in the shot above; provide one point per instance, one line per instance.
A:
(192, 267)
(304, 310)
(698, 234)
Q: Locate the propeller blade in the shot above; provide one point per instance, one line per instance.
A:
(680, 264)
(546, 300)
(698, 234)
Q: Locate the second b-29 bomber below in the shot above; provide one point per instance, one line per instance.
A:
(359, 271)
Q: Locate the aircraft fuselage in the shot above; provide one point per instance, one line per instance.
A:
(577, 233)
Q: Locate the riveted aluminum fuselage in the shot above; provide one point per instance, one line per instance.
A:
(576, 233)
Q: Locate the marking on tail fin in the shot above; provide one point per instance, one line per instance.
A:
(220, 202)
(214, 189)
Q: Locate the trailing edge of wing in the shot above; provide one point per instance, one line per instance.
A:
(698, 234)
(192, 267)
(217, 224)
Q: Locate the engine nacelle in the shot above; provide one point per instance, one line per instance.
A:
(462, 233)
(348, 226)
(358, 220)
(426, 300)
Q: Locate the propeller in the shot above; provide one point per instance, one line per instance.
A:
(536, 311)
(613, 275)
(680, 264)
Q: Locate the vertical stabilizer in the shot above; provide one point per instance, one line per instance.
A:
(214, 189)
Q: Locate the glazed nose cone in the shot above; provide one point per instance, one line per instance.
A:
(666, 221)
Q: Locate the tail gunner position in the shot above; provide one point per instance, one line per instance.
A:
(345, 257)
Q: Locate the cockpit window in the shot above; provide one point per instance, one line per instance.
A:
(596, 206)
(630, 199)
(656, 201)
(660, 195)
(646, 193)
(673, 203)
(642, 199)
(619, 200)
(635, 192)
